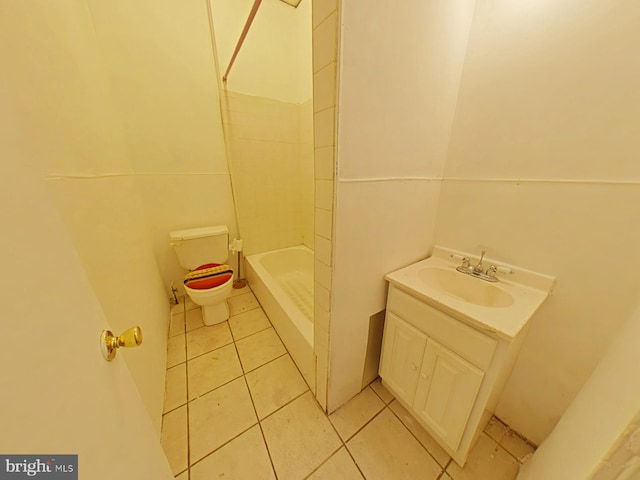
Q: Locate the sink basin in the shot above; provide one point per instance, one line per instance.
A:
(465, 287)
(502, 308)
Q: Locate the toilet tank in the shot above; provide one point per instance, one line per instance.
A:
(197, 246)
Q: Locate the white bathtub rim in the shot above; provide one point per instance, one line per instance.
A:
(301, 322)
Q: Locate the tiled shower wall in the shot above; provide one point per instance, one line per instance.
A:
(266, 136)
(325, 56)
(305, 113)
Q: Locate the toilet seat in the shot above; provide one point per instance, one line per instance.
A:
(214, 275)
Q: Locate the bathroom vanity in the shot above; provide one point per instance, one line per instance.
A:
(451, 339)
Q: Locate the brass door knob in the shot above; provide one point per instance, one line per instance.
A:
(109, 343)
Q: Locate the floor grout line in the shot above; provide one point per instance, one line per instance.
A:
(243, 375)
(270, 361)
(447, 466)
(292, 400)
(342, 442)
(273, 359)
(208, 352)
(255, 412)
(252, 333)
(363, 426)
(286, 404)
(416, 437)
(239, 434)
(380, 395)
(324, 461)
(354, 461)
(223, 445)
(287, 350)
(212, 390)
(259, 421)
(174, 409)
(186, 368)
(219, 386)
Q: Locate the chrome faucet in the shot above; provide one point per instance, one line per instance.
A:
(466, 264)
(478, 268)
(491, 271)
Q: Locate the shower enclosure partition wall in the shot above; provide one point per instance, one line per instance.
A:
(267, 114)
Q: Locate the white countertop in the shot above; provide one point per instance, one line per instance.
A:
(528, 289)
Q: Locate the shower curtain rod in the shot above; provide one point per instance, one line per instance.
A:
(245, 30)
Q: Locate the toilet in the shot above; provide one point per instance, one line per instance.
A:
(204, 251)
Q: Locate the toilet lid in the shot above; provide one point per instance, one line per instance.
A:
(209, 275)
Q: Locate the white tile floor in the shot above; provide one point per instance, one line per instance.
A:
(236, 407)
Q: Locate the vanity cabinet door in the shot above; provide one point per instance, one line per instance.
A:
(402, 350)
(447, 388)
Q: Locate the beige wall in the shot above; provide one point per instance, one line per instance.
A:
(67, 122)
(275, 60)
(59, 394)
(538, 167)
(398, 87)
(105, 219)
(121, 106)
(595, 437)
(161, 70)
(541, 171)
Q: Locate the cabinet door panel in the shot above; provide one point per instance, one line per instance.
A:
(446, 391)
(402, 351)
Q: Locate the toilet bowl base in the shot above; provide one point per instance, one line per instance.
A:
(214, 314)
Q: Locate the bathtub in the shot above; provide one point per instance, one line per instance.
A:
(282, 280)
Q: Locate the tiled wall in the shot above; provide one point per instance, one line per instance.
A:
(307, 176)
(266, 136)
(325, 55)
